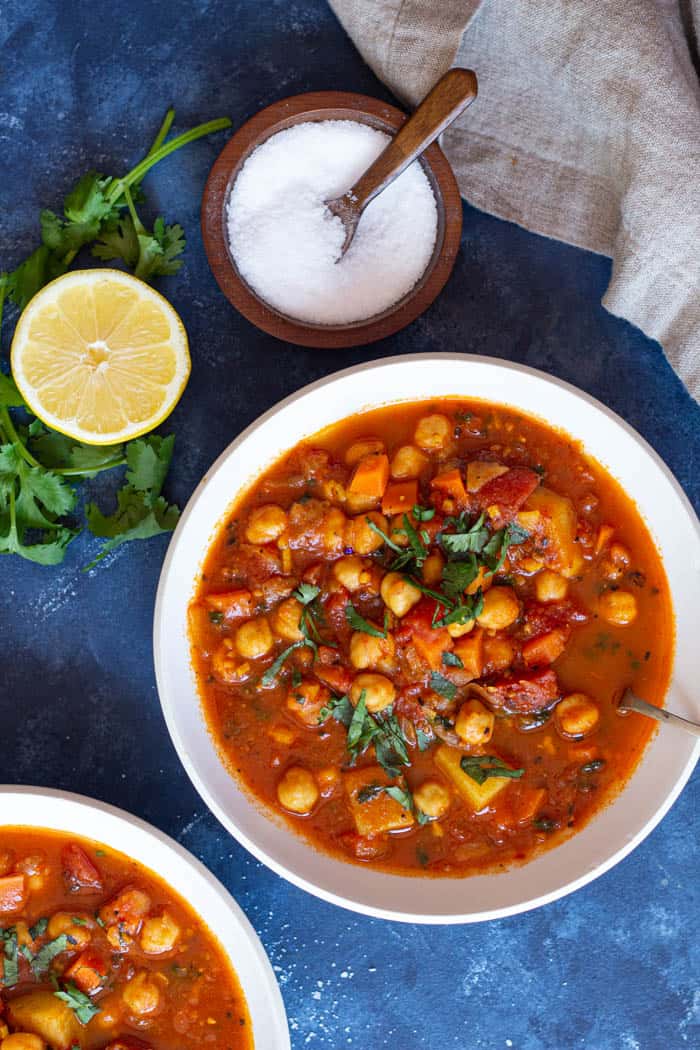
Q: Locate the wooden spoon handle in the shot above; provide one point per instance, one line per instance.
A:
(440, 107)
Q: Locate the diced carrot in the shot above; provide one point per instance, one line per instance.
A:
(400, 496)
(605, 534)
(79, 873)
(13, 892)
(544, 650)
(231, 603)
(371, 476)
(450, 481)
(528, 801)
(88, 971)
(428, 641)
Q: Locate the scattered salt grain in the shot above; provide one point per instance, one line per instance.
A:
(286, 244)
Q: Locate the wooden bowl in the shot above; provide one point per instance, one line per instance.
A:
(298, 109)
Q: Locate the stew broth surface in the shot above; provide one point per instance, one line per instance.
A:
(579, 609)
(98, 951)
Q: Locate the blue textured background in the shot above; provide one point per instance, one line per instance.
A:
(615, 967)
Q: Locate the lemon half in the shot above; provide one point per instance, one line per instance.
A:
(100, 356)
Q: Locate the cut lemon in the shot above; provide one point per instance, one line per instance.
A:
(100, 356)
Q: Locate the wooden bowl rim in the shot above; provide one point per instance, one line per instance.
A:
(286, 113)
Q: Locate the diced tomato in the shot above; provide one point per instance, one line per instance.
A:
(79, 872)
(417, 630)
(541, 617)
(338, 679)
(508, 492)
(13, 892)
(89, 971)
(127, 910)
(520, 805)
(523, 694)
(545, 649)
(231, 603)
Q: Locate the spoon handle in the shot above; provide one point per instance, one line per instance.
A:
(450, 96)
(631, 702)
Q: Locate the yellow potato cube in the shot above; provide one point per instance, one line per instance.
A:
(46, 1016)
(479, 472)
(372, 809)
(447, 759)
(558, 523)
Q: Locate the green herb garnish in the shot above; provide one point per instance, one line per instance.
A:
(481, 767)
(358, 623)
(443, 685)
(81, 1005)
(45, 956)
(451, 660)
(423, 513)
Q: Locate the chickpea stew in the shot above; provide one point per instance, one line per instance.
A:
(411, 631)
(97, 951)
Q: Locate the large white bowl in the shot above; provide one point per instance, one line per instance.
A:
(669, 759)
(77, 815)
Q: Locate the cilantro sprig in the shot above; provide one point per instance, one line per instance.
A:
(481, 767)
(81, 1004)
(39, 467)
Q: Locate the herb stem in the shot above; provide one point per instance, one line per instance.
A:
(163, 132)
(152, 158)
(77, 472)
(12, 435)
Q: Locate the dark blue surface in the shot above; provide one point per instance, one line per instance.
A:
(615, 967)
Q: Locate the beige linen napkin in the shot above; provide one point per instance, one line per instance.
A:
(586, 129)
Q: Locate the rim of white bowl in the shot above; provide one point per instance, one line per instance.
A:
(160, 631)
(65, 811)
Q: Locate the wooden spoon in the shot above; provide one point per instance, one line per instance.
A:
(629, 701)
(440, 107)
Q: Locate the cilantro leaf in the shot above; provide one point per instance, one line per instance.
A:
(32, 498)
(443, 685)
(451, 660)
(458, 575)
(81, 1004)
(141, 511)
(358, 623)
(467, 609)
(10, 396)
(10, 963)
(423, 513)
(44, 957)
(340, 708)
(158, 252)
(481, 767)
(276, 666)
(306, 593)
(465, 540)
(118, 240)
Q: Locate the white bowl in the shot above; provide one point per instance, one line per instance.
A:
(77, 815)
(668, 760)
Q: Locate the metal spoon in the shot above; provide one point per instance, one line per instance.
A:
(440, 107)
(629, 701)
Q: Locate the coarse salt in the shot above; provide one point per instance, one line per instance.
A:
(286, 244)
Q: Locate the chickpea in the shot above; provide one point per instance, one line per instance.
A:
(616, 562)
(408, 462)
(254, 638)
(286, 620)
(432, 798)
(226, 665)
(576, 716)
(306, 700)
(23, 1041)
(433, 433)
(360, 536)
(111, 1012)
(432, 568)
(363, 448)
(458, 630)
(333, 491)
(397, 532)
(159, 934)
(501, 609)
(550, 586)
(297, 791)
(474, 724)
(368, 651)
(142, 996)
(266, 524)
(350, 572)
(379, 691)
(399, 594)
(618, 608)
(63, 922)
